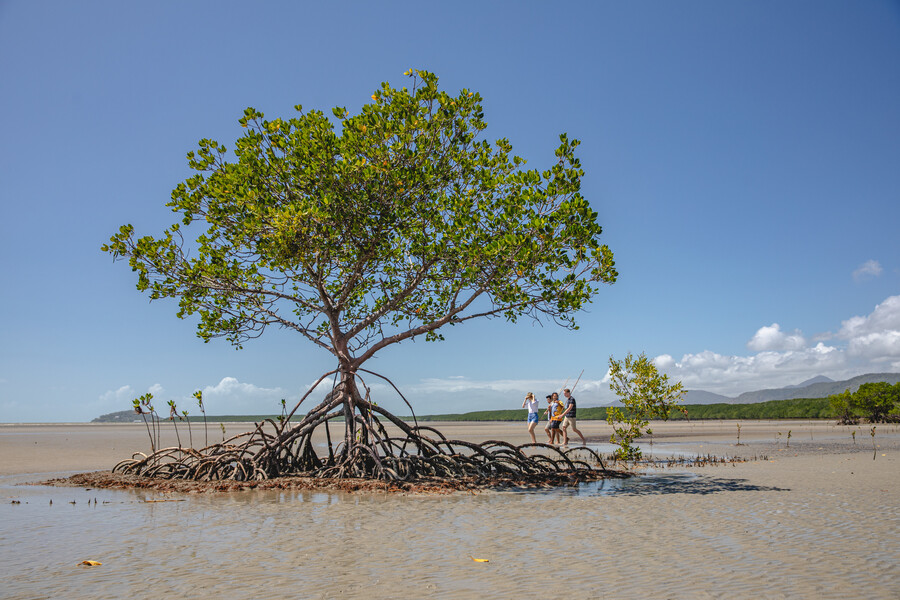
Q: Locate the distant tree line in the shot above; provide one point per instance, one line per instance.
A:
(801, 408)
(796, 408)
(873, 402)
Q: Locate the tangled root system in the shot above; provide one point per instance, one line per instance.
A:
(422, 457)
(416, 456)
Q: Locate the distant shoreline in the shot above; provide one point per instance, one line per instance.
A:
(99, 446)
(799, 408)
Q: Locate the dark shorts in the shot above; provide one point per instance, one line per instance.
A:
(554, 424)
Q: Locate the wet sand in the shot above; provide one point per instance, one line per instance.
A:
(818, 518)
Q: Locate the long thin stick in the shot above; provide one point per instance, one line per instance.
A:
(577, 380)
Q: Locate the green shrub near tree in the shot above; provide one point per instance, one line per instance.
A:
(877, 402)
(645, 394)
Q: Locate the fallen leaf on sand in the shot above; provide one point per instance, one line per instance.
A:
(479, 559)
(91, 563)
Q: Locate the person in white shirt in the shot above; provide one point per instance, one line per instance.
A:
(531, 404)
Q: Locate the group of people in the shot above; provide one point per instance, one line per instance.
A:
(559, 418)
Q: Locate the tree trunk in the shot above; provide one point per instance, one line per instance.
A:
(350, 395)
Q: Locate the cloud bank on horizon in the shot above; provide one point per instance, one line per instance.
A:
(227, 397)
(862, 344)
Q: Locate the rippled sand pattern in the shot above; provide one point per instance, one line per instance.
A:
(801, 527)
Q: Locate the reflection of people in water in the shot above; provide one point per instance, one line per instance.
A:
(531, 404)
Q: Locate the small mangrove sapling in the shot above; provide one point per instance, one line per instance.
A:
(199, 396)
(185, 417)
(173, 414)
(136, 403)
(154, 418)
(645, 394)
(874, 448)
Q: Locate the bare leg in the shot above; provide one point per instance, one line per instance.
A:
(531, 427)
(583, 441)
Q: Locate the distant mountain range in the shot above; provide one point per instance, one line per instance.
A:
(817, 387)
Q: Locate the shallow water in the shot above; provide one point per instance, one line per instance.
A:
(666, 534)
(811, 526)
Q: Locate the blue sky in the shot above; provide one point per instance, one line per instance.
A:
(744, 159)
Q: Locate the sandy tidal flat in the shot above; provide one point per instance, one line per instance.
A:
(818, 518)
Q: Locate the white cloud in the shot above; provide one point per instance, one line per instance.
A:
(663, 362)
(867, 270)
(732, 375)
(878, 347)
(458, 384)
(231, 396)
(123, 395)
(120, 399)
(863, 344)
(875, 337)
(772, 338)
(885, 318)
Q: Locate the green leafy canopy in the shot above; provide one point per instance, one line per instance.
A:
(646, 394)
(363, 230)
